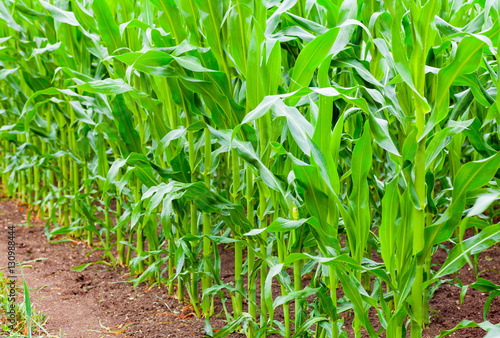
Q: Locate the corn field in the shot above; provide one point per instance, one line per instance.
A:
(340, 139)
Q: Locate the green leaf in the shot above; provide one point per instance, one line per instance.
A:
(471, 246)
(467, 59)
(493, 330)
(106, 87)
(471, 176)
(82, 267)
(359, 198)
(59, 14)
(124, 119)
(442, 139)
(108, 29)
(380, 130)
(329, 43)
(282, 224)
(483, 201)
(27, 303)
(387, 231)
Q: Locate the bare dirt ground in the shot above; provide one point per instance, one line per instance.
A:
(101, 301)
(96, 302)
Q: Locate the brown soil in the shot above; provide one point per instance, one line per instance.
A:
(96, 301)
(100, 301)
(446, 300)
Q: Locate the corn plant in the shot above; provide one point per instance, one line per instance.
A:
(344, 140)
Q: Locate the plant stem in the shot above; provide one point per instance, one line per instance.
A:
(252, 310)
(238, 248)
(207, 227)
(418, 229)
